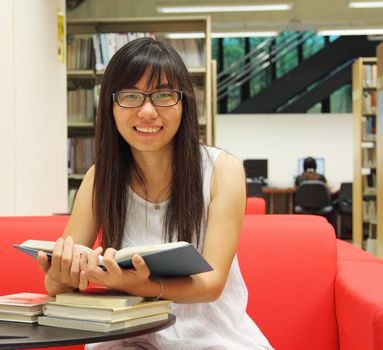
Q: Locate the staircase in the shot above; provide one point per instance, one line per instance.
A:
(312, 81)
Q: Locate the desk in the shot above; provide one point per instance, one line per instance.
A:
(273, 191)
(15, 335)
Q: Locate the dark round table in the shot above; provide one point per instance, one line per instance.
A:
(15, 335)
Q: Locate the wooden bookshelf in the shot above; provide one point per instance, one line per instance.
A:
(364, 73)
(84, 75)
(379, 152)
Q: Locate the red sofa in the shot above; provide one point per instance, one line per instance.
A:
(255, 206)
(307, 290)
(19, 273)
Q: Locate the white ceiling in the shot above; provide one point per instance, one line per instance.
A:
(304, 15)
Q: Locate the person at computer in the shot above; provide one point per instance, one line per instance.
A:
(309, 172)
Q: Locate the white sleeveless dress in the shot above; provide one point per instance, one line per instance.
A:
(222, 324)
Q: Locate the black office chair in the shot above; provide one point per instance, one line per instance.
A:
(254, 188)
(343, 205)
(313, 197)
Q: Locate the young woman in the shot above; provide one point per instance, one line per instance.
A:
(154, 182)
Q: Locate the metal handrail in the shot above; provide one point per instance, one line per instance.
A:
(259, 64)
(261, 47)
(317, 82)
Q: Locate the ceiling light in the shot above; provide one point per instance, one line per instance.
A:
(354, 31)
(243, 34)
(365, 4)
(224, 8)
(188, 35)
(198, 35)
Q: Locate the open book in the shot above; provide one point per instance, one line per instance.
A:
(175, 259)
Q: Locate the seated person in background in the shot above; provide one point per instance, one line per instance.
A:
(309, 172)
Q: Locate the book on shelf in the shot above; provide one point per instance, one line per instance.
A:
(370, 75)
(79, 52)
(105, 313)
(98, 326)
(190, 50)
(175, 259)
(98, 296)
(22, 307)
(105, 45)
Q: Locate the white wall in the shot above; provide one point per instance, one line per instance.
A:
(283, 138)
(33, 178)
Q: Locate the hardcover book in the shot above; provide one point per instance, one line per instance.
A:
(107, 314)
(22, 307)
(87, 325)
(98, 297)
(175, 259)
(23, 302)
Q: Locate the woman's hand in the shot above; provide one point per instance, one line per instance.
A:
(133, 281)
(64, 267)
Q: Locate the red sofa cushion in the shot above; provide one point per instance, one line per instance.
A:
(289, 267)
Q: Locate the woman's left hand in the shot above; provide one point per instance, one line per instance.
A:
(128, 280)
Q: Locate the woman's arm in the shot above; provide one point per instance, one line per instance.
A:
(63, 272)
(225, 215)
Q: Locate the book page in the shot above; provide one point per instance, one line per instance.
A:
(128, 252)
(48, 246)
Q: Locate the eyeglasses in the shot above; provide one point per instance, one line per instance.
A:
(132, 99)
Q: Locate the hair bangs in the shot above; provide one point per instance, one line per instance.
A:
(161, 74)
(155, 62)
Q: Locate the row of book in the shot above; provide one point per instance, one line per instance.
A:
(80, 54)
(81, 105)
(81, 154)
(369, 102)
(97, 309)
(105, 45)
(369, 182)
(369, 155)
(191, 51)
(370, 75)
(369, 211)
(94, 51)
(368, 127)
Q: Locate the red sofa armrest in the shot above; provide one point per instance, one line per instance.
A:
(359, 305)
(349, 252)
(289, 266)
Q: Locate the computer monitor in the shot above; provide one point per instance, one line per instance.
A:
(256, 168)
(319, 169)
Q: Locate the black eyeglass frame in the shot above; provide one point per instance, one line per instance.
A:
(148, 95)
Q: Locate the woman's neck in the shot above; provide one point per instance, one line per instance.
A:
(154, 178)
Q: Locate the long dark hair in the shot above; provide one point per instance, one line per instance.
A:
(115, 165)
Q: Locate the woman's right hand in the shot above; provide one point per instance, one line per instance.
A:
(63, 271)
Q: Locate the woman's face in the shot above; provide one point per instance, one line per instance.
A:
(148, 128)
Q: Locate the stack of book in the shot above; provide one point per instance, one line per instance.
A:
(102, 310)
(22, 307)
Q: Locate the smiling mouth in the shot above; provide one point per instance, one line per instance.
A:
(148, 130)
